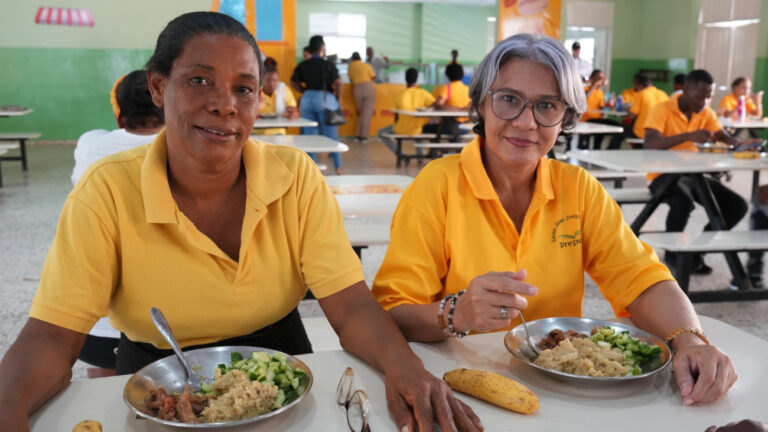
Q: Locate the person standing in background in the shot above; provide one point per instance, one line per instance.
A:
(319, 81)
(361, 77)
(306, 55)
(454, 56)
(377, 63)
(583, 66)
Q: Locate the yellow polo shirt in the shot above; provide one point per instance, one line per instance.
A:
(731, 102)
(628, 96)
(360, 72)
(411, 99)
(122, 246)
(595, 102)
(667, 118)
(450, 227)
(644, 101)
(456, 94)
(267, 106)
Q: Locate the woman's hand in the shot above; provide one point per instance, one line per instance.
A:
(703, 372)
(480, 307)
(416, 397)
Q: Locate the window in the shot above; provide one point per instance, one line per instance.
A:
(343, 33)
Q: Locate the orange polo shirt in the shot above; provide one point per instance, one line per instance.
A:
(450, 227)
(628, 96)
(667, 118)
(730, 103)
(595, 102)
(644, 101)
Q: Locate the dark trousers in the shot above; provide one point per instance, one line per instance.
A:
(681, 196)
(757, 221)
(287, 335)
(597, 143)
(99, 351)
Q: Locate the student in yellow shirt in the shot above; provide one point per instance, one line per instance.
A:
(676, 125)
(453, 96)
(361, 76)
(644, 97)
(595, 103)
(276, 101)
(410, 99)
(222, 233)
(501, 228)
(678, 82)
(741, 87)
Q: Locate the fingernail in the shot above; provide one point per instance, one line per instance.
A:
(405, 429)
(687, 401)
(533, 290)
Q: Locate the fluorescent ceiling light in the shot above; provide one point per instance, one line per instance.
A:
(733, 24)
(491, 19)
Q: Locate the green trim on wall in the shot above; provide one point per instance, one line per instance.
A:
(67, 88)
(624, 70)
(760, 82)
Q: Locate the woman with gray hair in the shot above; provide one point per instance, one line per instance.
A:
(500, 228)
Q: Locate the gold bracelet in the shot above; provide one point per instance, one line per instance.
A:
(682, 330)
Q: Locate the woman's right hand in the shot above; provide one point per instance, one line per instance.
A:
(480, 307)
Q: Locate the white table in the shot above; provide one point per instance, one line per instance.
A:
(432, 113)
(586, 128)
(647, 405)
(747, 124)
(282, 122)
(607, 113)
(677, 164)
(365, 203)
(308, 143)
(14, 111)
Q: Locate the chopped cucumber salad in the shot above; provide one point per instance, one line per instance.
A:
(639, 357)
(269, 369)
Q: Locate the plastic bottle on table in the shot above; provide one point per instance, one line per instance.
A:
(741, 109)
(619, 103)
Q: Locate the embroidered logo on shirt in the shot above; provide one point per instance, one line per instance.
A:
(567, 232)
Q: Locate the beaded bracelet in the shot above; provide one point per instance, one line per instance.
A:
(451, 331)
(682, 330)
(440, 311)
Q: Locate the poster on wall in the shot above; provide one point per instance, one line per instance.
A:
(64, 17)
(263, 18)
(529, 16)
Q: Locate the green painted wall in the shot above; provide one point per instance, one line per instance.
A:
(410, 32)
(68, 88)
(761, 68)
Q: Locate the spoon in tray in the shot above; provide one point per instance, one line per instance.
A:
(193, 378)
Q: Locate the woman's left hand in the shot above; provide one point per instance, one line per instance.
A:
(703, 373)
(416, 397)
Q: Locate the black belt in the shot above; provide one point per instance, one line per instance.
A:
(287, 335)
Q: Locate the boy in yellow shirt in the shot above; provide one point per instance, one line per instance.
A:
(410, 99)
(676, 125)
(644, 96)
(741, 86)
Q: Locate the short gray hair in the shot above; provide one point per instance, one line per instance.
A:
(537, 48)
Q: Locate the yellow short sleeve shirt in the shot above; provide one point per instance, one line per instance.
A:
(122, 246)
(595, 102)
(731, 102)
(572, 225)
(644, 101)
(411, 99)
(456, 94)
(360, 72)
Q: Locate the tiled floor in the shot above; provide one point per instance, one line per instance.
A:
(30, 204)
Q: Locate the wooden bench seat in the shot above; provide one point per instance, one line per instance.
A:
(21, 138)
(686, 245)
